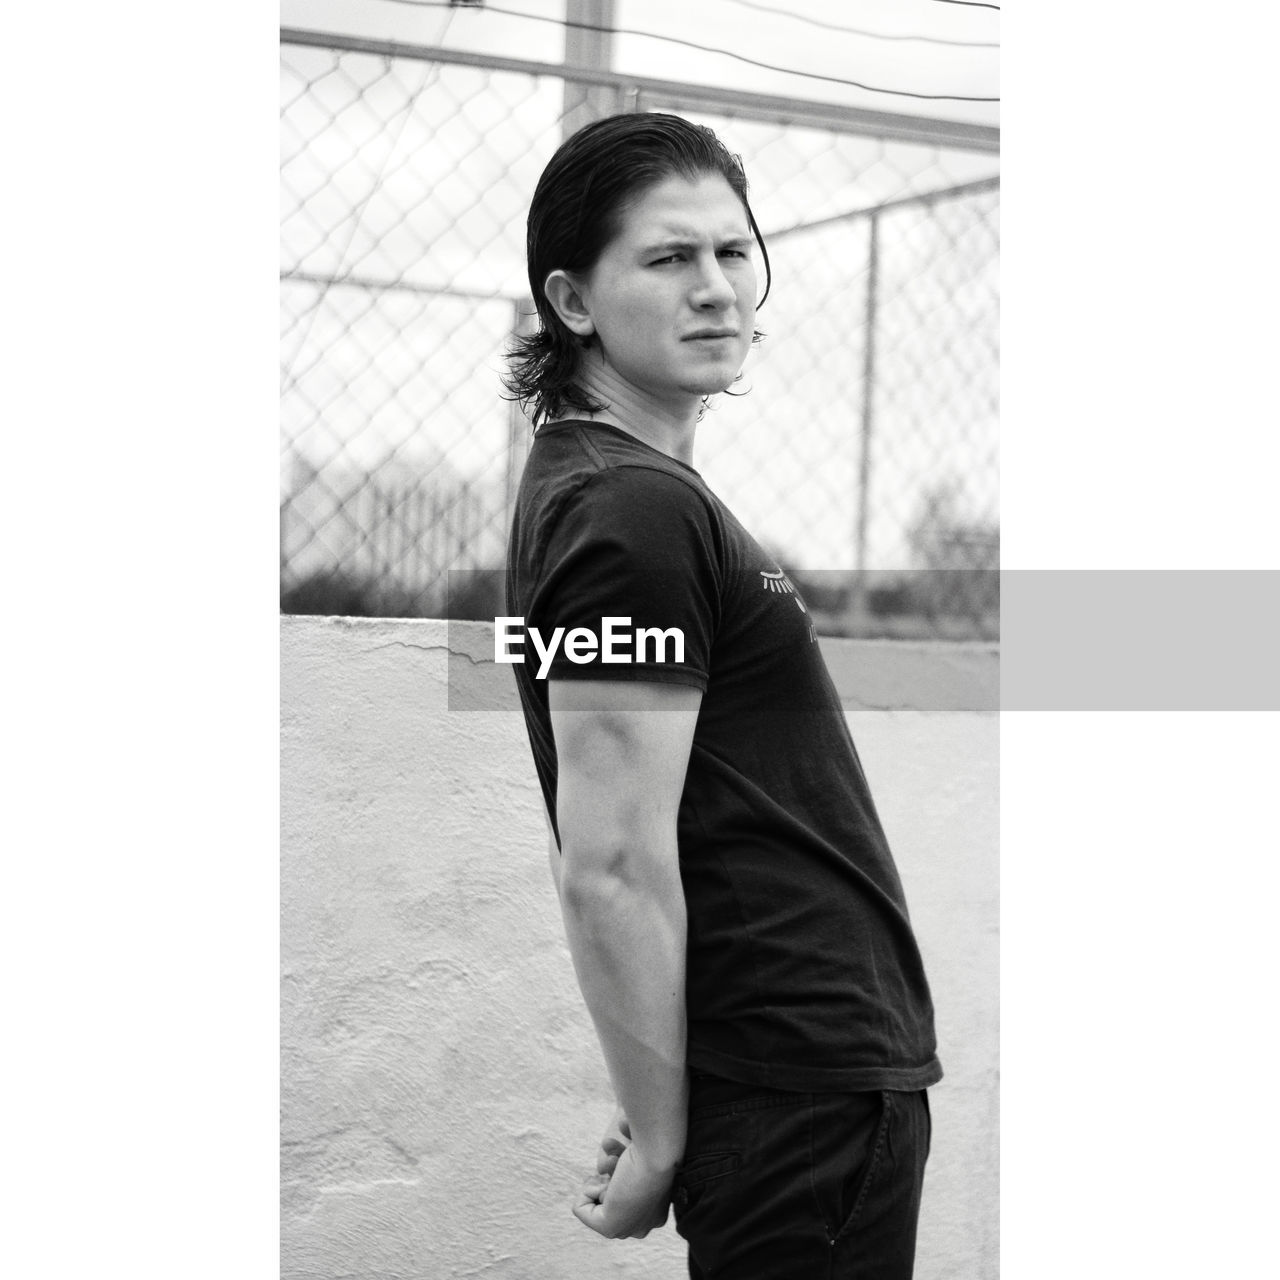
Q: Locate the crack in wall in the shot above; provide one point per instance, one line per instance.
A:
(429, 648)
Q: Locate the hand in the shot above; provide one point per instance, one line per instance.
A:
(617, 1138)
(629, 1200)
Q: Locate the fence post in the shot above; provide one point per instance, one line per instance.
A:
(591, 50)
(868, 411)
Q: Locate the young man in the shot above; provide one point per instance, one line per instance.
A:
(736, 921)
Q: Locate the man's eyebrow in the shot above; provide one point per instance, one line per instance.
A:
(732, 240)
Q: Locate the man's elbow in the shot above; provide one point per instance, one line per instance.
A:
(599, 872)
(592, 872)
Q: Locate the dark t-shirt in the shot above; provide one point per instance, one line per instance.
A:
(803, 972)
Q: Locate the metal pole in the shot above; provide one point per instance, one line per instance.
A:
(588, 49)
(766, 107)
(387, 550)
(868, 398)
(982, 187)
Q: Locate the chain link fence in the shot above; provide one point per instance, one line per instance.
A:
(863, 452)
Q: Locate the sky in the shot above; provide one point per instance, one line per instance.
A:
(801, 37)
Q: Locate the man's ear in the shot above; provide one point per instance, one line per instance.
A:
(568, 303)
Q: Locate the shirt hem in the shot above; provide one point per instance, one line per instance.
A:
(628, 671)
(774, 1075)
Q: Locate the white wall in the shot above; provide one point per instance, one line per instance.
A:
(442, 1093)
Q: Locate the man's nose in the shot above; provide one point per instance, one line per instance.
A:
(712, 288)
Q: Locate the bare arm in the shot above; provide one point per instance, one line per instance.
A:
(622, 750)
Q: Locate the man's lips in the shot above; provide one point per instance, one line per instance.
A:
(711, 333)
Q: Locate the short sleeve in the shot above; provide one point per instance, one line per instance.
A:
(632, 578)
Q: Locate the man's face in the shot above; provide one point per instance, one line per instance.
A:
(673, 295)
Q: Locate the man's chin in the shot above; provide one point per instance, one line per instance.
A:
(711, 386)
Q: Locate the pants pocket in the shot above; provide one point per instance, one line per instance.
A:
(693, 1175)
(847, 1152)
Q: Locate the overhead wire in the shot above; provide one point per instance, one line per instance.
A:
(703, 48)
(857, 31)
(971, 4)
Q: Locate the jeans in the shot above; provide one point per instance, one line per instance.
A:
(800, 1186)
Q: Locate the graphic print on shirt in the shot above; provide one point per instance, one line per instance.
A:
(779, 582)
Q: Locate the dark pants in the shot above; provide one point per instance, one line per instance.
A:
(801, 1186)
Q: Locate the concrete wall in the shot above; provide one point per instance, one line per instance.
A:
(442, 1092)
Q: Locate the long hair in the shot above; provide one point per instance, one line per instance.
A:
(577, 210)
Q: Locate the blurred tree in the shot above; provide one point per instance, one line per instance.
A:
(957, 559)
